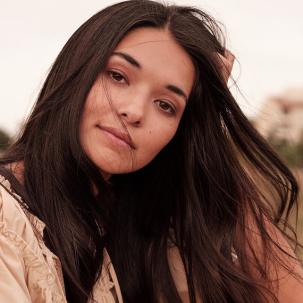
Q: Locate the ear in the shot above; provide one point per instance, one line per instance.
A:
(226, 63)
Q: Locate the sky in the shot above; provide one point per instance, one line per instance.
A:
(265, 36)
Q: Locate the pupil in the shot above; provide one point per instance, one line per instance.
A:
(117, 77)
(164, 105)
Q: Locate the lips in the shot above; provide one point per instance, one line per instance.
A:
(119, 134)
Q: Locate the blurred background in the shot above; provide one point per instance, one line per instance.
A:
(265, 36)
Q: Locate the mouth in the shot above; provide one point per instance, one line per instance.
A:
(119, 135)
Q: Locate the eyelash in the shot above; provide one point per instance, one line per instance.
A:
(171, 109)
(112, 75)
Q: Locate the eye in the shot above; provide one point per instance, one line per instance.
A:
(116, 76)
(166, 107)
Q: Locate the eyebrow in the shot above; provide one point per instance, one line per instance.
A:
(128, 58)
(173, 88)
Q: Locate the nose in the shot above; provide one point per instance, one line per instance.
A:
(132, 111)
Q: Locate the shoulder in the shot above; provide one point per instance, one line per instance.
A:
(20, 228)
(12, 216)
(14, 237)
(28, 271)
(271, 259)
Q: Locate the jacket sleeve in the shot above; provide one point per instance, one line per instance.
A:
(13, 286)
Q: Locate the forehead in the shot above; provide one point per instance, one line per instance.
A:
(157, 51)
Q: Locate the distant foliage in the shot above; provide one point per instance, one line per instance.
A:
(290, 152)
(4, 140)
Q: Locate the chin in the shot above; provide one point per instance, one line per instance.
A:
(116, 170)
(120, 169)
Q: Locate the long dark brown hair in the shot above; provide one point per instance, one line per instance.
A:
(202, 194)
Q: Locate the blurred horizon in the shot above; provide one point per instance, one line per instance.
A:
(266, 37)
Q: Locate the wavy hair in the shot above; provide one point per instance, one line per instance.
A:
(201, 194)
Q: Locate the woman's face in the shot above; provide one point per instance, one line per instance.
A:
(145, 85)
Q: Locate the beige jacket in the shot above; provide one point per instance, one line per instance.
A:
(30, 272)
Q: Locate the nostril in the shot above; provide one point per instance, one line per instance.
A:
(131, 118)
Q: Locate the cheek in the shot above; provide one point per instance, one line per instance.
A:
(96, 105)
(93, 104)
(91, 114)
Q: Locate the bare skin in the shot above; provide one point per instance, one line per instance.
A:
(144, 87)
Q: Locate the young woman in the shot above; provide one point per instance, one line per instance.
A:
(137, 178)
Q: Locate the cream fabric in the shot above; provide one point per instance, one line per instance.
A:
(29, 271)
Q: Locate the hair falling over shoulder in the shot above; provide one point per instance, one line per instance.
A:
(217, 192)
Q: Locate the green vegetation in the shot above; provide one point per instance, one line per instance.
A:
(290, 152)
(4, 140)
